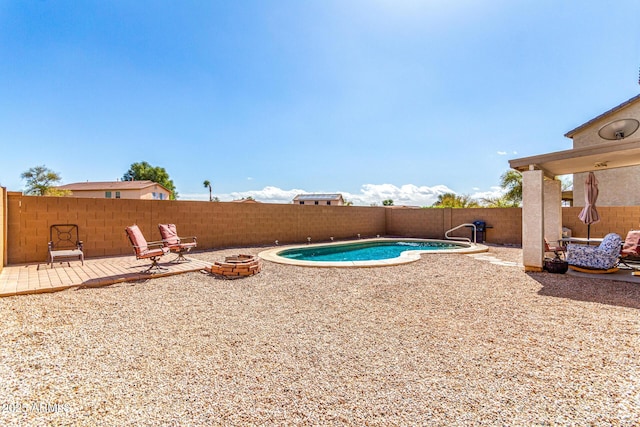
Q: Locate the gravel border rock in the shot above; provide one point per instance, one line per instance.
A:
(447, 340)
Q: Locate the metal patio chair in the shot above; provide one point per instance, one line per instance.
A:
(64, 242)
(146, 250)
(176, 244)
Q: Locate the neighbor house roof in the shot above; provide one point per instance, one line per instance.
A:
(318, 197)
(625, 104)
(109, 185)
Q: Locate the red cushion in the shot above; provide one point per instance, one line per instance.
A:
(632, 243)
(137, 239)
(169, 234)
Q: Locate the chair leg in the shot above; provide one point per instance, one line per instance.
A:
(180, 258)
(154, 266)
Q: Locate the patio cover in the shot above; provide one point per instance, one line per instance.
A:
(540, 221)
(609, 155)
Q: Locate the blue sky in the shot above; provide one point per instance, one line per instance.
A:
(377, 99)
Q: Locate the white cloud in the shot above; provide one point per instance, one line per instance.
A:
(493, 193)
(407, 194)
(502, 153)
(268, 194)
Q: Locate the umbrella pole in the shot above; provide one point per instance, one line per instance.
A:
(588, 234)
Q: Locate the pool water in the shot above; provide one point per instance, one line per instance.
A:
(369, 251)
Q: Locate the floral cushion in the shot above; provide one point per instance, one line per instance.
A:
(604, 256)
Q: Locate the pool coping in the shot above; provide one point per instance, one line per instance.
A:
(404, 258)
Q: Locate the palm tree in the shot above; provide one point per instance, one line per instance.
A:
(207, 184)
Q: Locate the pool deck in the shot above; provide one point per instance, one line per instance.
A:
(40, 277)
(410, 255)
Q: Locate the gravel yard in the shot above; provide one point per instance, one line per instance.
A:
(447, 340)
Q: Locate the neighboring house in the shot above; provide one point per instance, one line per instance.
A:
(148, 190)
(617, 187)
(247, 200)
(319, 199)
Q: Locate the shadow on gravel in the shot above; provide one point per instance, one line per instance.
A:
(596, 289)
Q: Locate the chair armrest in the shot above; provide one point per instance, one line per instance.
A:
(181, 240)
(158, 244)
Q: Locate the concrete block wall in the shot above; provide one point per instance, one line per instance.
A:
(219, 224)
(433, 223)
(102, 222)
(3, 227)
(505, 223)
(613, 219)
(424, 223)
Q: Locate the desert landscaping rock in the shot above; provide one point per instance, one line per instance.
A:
(448, 340)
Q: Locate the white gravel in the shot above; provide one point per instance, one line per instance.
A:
(448, 340)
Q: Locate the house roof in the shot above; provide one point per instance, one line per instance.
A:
(109, 185)
(246, 201)
(625, 104)
(336, 196)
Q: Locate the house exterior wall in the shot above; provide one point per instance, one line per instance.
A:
(617, 187)
(143, 194)
(323, 202)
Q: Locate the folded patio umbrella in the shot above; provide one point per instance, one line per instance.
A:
(589, 215)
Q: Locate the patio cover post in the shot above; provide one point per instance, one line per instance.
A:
(552, 210)
(533, 220)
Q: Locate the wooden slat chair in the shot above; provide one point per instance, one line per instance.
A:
(146, 250)
(174, 243)
(64, 242)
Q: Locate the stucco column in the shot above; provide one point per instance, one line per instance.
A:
(552, 211)
(533, 220)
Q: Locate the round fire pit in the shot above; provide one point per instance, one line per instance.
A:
(237, 266)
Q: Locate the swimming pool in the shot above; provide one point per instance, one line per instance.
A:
(366, 253)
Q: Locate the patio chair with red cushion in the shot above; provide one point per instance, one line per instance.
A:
(175, 243)
(146, 250)
(630, 251)
(558, 250)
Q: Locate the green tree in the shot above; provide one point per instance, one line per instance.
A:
(40, 179)
(511, 181)
(387, 202)
(498, 202)
(207, 184)
(144, 171)
(452, 200)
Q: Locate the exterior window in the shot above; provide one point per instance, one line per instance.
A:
(117, 194)
(107, 194)
(302, 202)
(329, 202)
(317, 202)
